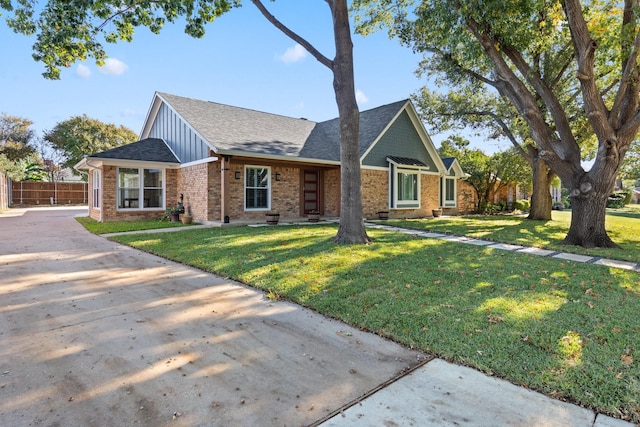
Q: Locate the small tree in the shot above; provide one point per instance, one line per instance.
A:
(81, 135)
(16, 137)
(487, 174)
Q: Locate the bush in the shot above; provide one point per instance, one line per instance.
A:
(522, 205)
(616, 200)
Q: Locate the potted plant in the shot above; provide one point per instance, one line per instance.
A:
(272, 217)
(436, 212)
(313, 216)
(384, 215)
(187, 217)
(173, 214)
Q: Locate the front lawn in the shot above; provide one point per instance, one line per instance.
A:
(121, 226)
(567, 330)
(623, 227)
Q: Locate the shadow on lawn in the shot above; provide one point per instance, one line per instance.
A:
(561, 328)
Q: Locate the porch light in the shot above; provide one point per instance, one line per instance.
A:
(237, 174)
(277, 176)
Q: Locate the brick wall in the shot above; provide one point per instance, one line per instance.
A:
(375, 192)
(331, 196)
(285, 194)
(109, 199)
(375, 195)
(193, 185)
(466, 198)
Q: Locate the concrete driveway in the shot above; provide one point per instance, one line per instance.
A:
(93, 333)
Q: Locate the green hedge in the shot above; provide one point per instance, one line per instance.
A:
(616, 200)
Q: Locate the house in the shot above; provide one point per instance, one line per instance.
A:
(229, 164)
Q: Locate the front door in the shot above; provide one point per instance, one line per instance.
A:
(311, 191)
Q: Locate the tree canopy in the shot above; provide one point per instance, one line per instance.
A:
(568, 69)
(81, 135)
(70, 31)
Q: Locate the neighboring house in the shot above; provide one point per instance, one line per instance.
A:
(228, 163)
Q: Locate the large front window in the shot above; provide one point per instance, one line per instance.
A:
(257, 185)
(407, 189)
(140, 188)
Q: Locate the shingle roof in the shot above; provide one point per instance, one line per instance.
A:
(324, 141)
(448, 161)
(230, 128)
(148, 150)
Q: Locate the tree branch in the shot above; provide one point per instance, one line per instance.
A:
(295, 37)
(585, 48)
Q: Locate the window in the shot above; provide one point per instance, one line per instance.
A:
(257, 185)
(135, 192)
(407, 189)
(95, 181)
(407, 186)
(450, 192)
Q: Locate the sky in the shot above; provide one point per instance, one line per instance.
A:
(243, 61)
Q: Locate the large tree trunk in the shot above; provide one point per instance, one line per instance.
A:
(351, 228)
(541, 201)
(588, 222)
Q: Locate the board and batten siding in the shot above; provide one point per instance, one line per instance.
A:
(179, 135)
(401, 140)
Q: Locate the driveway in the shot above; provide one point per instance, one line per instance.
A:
(93, 333)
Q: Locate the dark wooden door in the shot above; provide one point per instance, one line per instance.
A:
(311, 191)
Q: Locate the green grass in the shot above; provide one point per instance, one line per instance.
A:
(564, 329)
(623, 227)
(121, 226)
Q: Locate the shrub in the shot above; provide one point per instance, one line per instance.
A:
(616, 201)
(522, 205)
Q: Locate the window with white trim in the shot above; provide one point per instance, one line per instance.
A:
(450, 192)
(257, 188)
(406, 189)
(95, 187)
(140, 188)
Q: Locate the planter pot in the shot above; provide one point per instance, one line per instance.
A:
(383, 215)
(272, 219)
(313, 217)
(174, 216)
(436, 212)
(187, 219)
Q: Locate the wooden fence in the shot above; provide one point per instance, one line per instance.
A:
(48, 193)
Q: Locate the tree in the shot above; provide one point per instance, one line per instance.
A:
(67, 32)
(534, 54)
(487, 174)
(15, 137)
(630, 170)
(471, 108)
(81, 135)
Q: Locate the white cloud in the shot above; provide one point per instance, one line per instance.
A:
(293, 54)
(113, 66)
(361, 98)
(83, 71)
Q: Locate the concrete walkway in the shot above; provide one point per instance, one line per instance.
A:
(96, 333)
(625, 265)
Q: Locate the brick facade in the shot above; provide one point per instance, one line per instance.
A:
(201, 187)
(375, 195)
(467, 199)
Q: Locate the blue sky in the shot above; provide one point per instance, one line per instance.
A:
(243, 61)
